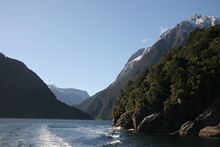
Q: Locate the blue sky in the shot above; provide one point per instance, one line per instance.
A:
(85, 43)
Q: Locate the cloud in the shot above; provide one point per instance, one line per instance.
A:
(163, 29)
(144, 40)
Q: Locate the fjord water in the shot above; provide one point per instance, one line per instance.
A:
(65, 133)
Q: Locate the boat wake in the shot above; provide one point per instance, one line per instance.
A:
(46, 138)
(49, 134)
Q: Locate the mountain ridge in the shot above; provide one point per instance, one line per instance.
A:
(100, 104)
(24, 95)
(69, 96)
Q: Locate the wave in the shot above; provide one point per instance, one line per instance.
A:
(113, 135)
(115, 142)
(109, 132)
(117, 128)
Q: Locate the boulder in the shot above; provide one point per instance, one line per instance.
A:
(210, 131)
(187, 128)
(151, 123)
(208, 117)
(138, 117)
(125, 121)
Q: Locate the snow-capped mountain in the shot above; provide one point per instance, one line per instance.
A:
(69, 96)
(100, 104)
(195, 21)
(203, 21)
(184, 27)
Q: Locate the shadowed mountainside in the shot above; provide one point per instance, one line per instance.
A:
(24, 95)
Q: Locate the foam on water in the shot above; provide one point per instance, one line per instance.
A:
(117, 128)
(115, 142)
(112, 135)
(48, 139)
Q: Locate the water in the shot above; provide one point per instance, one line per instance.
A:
(77, 133)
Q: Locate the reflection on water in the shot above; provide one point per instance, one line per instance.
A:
(67, 133)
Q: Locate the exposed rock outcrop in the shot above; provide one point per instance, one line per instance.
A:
(125, 121)
(202, 123)
(210, 131)
(151, 123)
(187, 128)
(138, 117)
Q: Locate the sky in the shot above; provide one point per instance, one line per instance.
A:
(84, 44)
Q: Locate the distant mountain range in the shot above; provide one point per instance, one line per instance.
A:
(69, 96)
(24, 95)
(100, 105)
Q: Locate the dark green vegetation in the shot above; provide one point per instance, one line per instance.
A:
(23, 94)
(184, 84)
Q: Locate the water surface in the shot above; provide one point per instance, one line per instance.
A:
(77, 133)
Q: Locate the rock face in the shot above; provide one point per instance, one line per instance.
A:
(210, 117)
(193, 127)
(24, 95)
(210, 131)
(131, 120)
(69, 96)
(151, 123)
(125, 121)
(201, 125)
(138, 117)
(155, 123)
(100, 105)
(188, 128)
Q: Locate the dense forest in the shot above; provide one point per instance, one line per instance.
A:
(184, 83)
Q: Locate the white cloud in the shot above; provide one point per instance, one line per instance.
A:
(144, 40)
(163, 29)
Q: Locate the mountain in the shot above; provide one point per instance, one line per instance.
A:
(69, 96)
(24, 95)
(181, 93)
(100, 104)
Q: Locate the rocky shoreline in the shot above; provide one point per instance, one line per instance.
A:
(206, 124)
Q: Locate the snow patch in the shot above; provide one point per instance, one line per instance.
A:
(140, 56)
(202, 21)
